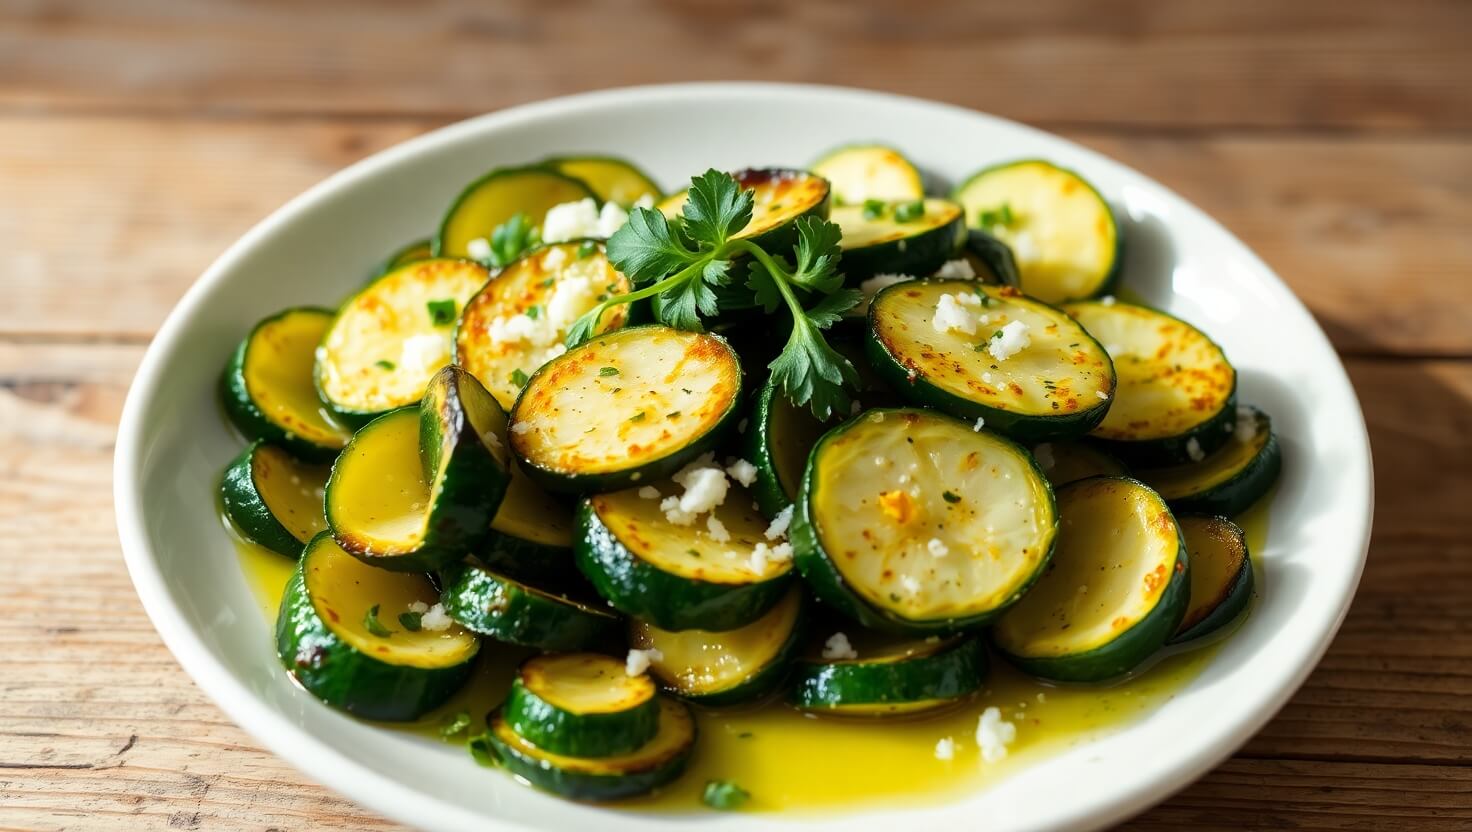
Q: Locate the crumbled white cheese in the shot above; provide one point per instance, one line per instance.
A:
(515, 329)
(951, 314)
(554, 259)
(717, 529)
(945, 748)
(1044, 455)
(610, 219)
(837, 647)
(705, 488)
(1193, 450)
(574, 295)
(479, 248)
(521, 426)
(873, 285)
(1107, 300)
(435, 619)
(994, 734)
(980, 423)
(910, 584)
(638, 661)
(570, 220)
(1101, 394)
(424, 353)
(958, 269)
(986, 377)
(419, 607)
(763, 556)
(491, 441)
(1012, 340)
(778, 528)
(554, 351)
(645, 201)
(937, 547)
(743, 472)
(1246, 429)
(649, 492)
(968, 299)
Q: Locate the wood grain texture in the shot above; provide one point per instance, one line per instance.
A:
(99, 726)
(1251, 63)
(110, 219)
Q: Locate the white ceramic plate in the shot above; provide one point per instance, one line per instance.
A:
(172, 445)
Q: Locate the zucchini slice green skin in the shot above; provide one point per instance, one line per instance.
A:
(1073, 460)
(638, 588)
(694, 681)
(352, 679)
(929, 678)
(1051, 389)
(859, 172)
(1157, 355)
(497, 197)
(1126, 649)
(657, 763)
(995, 258)
(279, 516)
(410, 253)
(1231, 478)
(778, 438)
(577, 430)
(531, 535)
(265, 385)
(884, 245)
(532, 712)
(1222, 576)
(609, 178)
(1081, 248)
(515, 612)
(921, 430)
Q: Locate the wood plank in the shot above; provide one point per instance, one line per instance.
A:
(99, 726)
(151, 205)
(1257, 63)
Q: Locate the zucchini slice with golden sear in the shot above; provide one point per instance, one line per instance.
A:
(518, 320)
(725, 667)
(915, 522)
(986, 352)
(630, 406)
(273, 499)
(1231, 478)
(611, 179)
(1061, 231)
(417, 488)
(388, 339)
(531, 534)
(267, 387)
(1071, 460)
(914, 238)
(342, 633)
(496, 197)
(781, 197)
(715, 569)
(1114, 593)
(859, 173)
(872, 674)
(1221, 576)
(582, 705)
(1176, 396)
(517, 612)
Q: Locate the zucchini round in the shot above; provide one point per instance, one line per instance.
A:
(274, 500)
(390, 338)
(652, 765)
(1229, 479)
(1061, 231)
(410, 253)
(497, 197)
(1073, 460)
(518, 320)
(891, 676)
(268, 391)
(417, 487)
(778, 438)
(1115, 591)
(949, 344)
(581, 705)
(1221, 576)
(610, 179)
(781, 197)
(515, 612)
(887, 238)
(861, 172)
(915, 522)
(631, 405)
(680, 577)
(324, 639)
(531, 535)
(1176, 396)
(730, 667)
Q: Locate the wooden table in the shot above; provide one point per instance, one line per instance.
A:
(138, 139)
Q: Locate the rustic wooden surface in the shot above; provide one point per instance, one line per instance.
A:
(138, 139)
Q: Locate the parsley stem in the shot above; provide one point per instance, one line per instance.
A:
(681, 276)
(779, 275)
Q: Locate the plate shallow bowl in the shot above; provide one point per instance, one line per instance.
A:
(172, 444)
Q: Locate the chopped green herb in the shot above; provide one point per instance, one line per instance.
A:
(673, 414)
(694, 553)
(411, 621)
(518, 377)
(724, 795)
(441, 312)
(1000, 216)
(511, 239)
(455, 723)
(586, 249)
(909, 211)
(987, 300)
(373, 625)
(534, 311)
(605, 372)
(481, 751)
(384, 364)
(548, 282)
(997, 334)
(951, 497)
(873, 209)
(637, 417)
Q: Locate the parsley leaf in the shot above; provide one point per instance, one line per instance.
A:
(817, 255)
(511, 239)
(411, 621)
(873, 209)
(812, 373)
(373, 625)
(441, 312)
(605, 372)
(716, 208)
(384, 364)
(533, 311)
(999, 216)
(909, 211)
(518, 377)
(586, 249)
(724, 795)
(646, 249)
(951, 497)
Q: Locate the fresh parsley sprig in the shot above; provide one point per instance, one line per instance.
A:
(683, 263)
